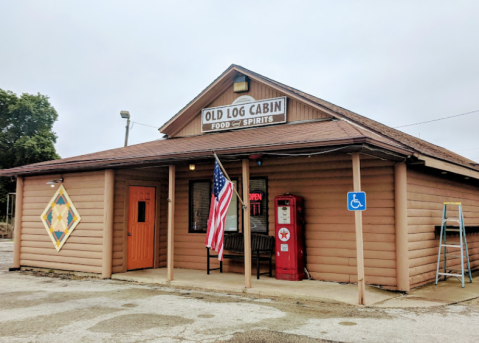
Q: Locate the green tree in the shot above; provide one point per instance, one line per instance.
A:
(26, 135)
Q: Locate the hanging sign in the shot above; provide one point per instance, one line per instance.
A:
(248, 114)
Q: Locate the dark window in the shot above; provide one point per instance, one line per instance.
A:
(200, 197)
(141, 211)
(258, 188)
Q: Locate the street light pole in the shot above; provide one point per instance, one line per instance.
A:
(127, 131)
(126, 115)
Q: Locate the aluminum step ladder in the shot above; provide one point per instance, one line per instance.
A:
(444, 245)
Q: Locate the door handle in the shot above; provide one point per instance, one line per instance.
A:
(129, 233)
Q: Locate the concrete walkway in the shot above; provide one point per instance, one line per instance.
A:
(446, 292)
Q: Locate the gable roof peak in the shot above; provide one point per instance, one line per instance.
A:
(418, 145)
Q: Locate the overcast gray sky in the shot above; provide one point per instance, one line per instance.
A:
(398, 62)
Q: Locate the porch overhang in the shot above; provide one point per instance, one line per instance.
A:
(305, 138)
(364, 146)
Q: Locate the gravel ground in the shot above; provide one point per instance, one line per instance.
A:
(6, 254)
(44, 307)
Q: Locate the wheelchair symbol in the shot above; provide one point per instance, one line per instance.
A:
(355, 203)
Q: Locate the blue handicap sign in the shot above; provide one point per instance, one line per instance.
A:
(356, 201)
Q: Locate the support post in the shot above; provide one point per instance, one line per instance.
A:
(246, 225)
(359, 230)
(17, 232)
(171, 222)
(400, 213)
(108, 202)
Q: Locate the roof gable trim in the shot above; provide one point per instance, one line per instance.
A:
(168, 127)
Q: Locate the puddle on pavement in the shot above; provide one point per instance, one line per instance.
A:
(267, 336)
(205, 316)
(130, 305)
(49, 323)
(128, 323)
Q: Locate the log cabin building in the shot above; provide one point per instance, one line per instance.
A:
(272, 139)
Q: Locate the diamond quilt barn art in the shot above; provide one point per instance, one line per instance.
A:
(60, 218)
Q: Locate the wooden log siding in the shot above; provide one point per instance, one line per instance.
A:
(83, 249)
(426, 194)
(323, 181)
(119, 243)
(296, 110)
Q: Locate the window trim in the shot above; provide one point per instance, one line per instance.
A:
(237, 211)
(190, 203)
(267, 205)
(141, 215)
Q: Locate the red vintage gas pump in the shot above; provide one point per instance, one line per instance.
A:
(288, 212)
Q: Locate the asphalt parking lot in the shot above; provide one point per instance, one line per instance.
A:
(45, 307)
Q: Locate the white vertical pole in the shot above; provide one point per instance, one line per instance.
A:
(358, 216)
(171, 223)
(246, 225)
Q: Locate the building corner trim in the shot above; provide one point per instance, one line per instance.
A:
(107, 258)
(17, 233)
(401, 230)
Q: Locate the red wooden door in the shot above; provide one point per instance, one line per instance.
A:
(141, 227)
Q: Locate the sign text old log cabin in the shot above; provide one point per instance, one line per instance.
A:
(242, 115)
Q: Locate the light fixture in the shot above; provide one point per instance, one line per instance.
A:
(257, 158)
(444, 172)
(126, 115)
(241, 83)
(467, 178)
(192, 167)
(54, 182)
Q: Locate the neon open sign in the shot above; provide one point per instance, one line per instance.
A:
(256, 196)
(255, 199)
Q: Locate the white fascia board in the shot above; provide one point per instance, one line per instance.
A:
(447, 166)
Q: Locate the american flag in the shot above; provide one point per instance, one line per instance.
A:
(220, 201)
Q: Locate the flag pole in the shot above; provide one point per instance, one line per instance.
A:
(226, 174)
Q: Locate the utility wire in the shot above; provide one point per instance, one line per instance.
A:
(135, 122)
(468, 149)
(397, 127)
(430, 121)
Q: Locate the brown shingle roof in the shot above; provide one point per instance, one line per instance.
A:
(249, 140)
(417, 144)
(268, 138)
